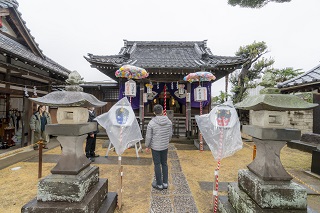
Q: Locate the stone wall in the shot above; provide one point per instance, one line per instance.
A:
(302, 120)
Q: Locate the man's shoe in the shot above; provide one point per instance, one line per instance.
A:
(95, 156)
(158, 187)
(165, 185)
(45, 147)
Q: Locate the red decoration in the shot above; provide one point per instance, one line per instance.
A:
(165, 100)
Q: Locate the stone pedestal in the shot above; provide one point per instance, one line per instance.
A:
(266, 186)
(315, 163)
(74, 186)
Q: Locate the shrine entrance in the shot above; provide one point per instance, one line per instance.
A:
(171, 104)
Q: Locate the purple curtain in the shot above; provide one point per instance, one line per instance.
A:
(135, 100)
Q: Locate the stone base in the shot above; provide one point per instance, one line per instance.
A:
(97, 200)
(238, 201)
(271, 133)
(69, 188)
(196, 142)
(272, 194)
(315, 164)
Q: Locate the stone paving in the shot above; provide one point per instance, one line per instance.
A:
(177, 198)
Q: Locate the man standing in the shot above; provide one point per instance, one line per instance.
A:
(91, 138)
(158, 136)
(38, 122)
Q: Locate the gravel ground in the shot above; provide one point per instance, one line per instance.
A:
(19, 185)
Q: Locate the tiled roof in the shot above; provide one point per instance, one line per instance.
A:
(166, 54)
(8, 3)
(312, 76)
(13, 6)
(10, 46)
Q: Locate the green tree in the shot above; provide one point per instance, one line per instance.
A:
(244, 79)
(221, 98)
(274, 76)
(253, 3)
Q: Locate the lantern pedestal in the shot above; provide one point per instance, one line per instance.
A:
(266, 186)
(74, 186)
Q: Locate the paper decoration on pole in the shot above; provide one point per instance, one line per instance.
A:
(131, 72)
(123, 130)
(222, 117)
(35, 91)
(121, 119)
(145, 97)
(199, 76)
(149, 88)
(200, 94)
(26, 91)
(188, 97)
(130, 88)
(221, 131)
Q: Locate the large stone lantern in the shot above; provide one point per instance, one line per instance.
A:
(266, 186)
(74, 185)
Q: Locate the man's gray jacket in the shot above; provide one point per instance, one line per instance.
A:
(159, 133)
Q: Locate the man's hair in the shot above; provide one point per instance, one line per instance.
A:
(157, 109)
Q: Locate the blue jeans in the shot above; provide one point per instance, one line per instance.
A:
(160, 157)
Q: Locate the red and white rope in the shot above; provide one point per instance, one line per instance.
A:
(215, 191)
(165, 100)
(200, 139)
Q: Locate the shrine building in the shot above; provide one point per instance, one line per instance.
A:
(167, 63)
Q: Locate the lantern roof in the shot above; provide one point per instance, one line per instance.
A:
(274, 102)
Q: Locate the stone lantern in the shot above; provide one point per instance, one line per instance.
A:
(266, 186)
(74, 185)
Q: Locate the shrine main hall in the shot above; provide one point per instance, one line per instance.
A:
(167, 63)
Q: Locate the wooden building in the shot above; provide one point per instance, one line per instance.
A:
(306, 82)
(167, 62)
(24, 71)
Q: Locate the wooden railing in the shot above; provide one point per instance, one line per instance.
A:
(178, 125)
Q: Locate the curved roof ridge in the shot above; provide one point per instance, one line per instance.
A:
(165, 43)
(310, 74)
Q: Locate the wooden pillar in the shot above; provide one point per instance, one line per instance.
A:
(226, 86)
(141, 108)
(188, 111)
(7, 86)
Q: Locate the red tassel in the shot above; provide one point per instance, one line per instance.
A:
(0, 21)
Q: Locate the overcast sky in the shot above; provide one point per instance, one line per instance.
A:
(68, 30)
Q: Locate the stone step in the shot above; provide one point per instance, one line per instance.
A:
(224, 206)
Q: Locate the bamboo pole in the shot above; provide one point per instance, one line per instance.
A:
(40, 144)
